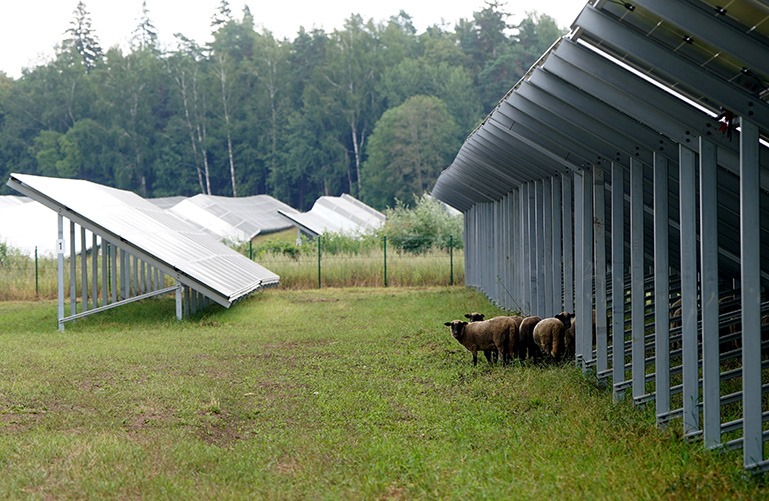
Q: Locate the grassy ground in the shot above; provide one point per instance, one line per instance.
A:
(319, 394)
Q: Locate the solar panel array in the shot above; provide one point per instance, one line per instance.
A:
(344, 215)
(152, 234)
(584, 180)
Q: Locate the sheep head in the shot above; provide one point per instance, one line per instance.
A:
(457, 328)
(566, 318)
(474, 316)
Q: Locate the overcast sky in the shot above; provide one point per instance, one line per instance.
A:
(29, 29)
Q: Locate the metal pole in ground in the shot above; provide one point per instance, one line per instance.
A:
(37, 280)
(384, 247)
(319, 261)
(451, 259)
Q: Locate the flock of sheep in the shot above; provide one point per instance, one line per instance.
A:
(535, 338)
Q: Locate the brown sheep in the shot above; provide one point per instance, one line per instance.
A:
(493, 334)
(491, 355)
(515, 343)
(526, 346)
(570, 335)
(549, 334)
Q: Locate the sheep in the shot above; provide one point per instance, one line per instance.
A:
(549, 334)
(491, 355)
(513, 349)
(526, 338)
(484, 335)
(475, 316)
(515, 343)
(570, 335)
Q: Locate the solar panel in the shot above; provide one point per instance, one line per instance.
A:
(156, 236)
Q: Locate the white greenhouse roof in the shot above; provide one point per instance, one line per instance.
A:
(8, 200)
(31, 225)
(344, 214)
(166, 202)
(234, 219)
(156, 236)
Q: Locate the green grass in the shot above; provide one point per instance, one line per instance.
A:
(318, 394)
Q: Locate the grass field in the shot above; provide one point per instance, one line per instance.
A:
(319, 394)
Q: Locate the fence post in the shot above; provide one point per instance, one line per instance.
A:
(319, 261)
(251, 250)
(385, 260)
(37, 281)
(451, 259)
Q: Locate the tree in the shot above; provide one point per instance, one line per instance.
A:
(82, 40)
(145, 36)
(184, 67)
(222, 16)
(427, 224)
(533, 36)
(352, 73)
(409, 147)
(423, 76)
(270, 71)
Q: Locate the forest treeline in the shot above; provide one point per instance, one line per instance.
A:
(373, 109)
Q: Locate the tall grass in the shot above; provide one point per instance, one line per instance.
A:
(366, 269)
(319, 394)
(23, 278)
(343, 263)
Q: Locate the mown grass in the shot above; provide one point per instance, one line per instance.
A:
(318, 394)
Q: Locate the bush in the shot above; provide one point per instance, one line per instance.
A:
(279, 247)
(429, 224)
(336, 243)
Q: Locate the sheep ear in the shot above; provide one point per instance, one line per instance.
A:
(467, 315)
(464, 323)
(447, 324)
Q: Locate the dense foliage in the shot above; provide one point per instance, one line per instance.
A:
(426, 225)
(374, 109)
(429, 224)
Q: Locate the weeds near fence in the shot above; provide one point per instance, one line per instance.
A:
(25, 278)
(331, 261)
(334, 260)
(365, 269)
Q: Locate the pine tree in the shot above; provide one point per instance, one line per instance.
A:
(145, 36)
(82, 40)
(222, 16)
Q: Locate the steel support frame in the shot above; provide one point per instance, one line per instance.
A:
(661, 289)
(687, 165)
(618, 279)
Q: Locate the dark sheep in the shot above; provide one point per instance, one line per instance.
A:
(570, 336)
(493, 334)
(526, 345)
(475, 316)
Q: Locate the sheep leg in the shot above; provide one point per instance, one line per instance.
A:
(489, 354)
(475, 357)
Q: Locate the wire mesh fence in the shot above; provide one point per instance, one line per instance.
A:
(323, 262)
